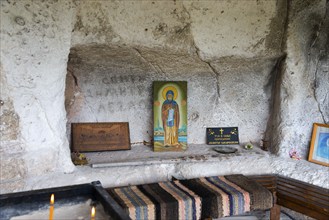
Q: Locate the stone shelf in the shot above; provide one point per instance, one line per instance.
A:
(144, 155)
(113, 168)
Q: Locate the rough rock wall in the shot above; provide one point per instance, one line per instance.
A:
(230, 52)
(216, 28)
(175, 40)
(35, 42)
(11, 151)
(302, 93)
(115, 84)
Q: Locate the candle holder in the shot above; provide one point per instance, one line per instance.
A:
(18, 204)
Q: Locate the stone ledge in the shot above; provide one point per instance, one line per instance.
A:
(173, 164)
(144, 155)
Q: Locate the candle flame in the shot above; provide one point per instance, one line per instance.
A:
(93, 212)
(52, 199)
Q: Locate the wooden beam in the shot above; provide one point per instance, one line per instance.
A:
(275, 212)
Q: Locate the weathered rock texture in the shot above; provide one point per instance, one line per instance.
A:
(302, 87)
(262, 66)
(115, 84)
(218, 29)
(35, 42)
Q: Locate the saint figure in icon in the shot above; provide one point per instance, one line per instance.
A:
(170, 119)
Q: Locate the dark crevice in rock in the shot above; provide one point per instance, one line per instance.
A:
(213, 70)
(217, 76)
(272, 133)
(156, 69)
(75, 79)
(320, 51)
(275, 81)
(285, 29)
(320, 27)
(314, 90)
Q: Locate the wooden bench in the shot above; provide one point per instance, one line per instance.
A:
(299, 196)
(302, 197)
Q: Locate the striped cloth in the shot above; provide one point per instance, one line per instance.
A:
(229, 195)
(165, 200)
(212, 197)
(220, 196)
(261, 198)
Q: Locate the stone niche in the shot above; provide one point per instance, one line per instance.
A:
(120, 48)
(113, 84)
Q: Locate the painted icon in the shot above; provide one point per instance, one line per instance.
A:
(319, 150)
(170, 115)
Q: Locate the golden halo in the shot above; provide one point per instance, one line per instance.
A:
(165, 90)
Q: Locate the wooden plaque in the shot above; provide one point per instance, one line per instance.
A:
(100, 136)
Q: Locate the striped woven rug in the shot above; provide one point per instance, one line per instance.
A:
(229, 195)
(213, 197)
(165, 200)
(220, 197)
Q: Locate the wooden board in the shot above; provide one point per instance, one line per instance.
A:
(100, 136)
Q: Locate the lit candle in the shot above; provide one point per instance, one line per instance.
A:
(51, 211)
(93, 213)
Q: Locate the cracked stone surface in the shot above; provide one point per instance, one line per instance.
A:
(35, 42)
(303, 96)
(262, 66)
(110, 82)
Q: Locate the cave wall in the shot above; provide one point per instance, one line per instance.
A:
(106, 83)
(227, 59)
(262, 66)
(302, 93)
(35, 43)
(216, 29)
